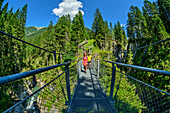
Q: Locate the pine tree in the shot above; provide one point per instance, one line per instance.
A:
(143, 30)
(49, 41)
(111, 31)
(98, 28)
(149, 10)
(78, 33)
(164, 10)
(130, 25)
(107, 35)
(120, 36)
(124, 39)
(118, 31)
(82, 27)
(12, 52)
(154, 22)
(137, 28)
(62, 34)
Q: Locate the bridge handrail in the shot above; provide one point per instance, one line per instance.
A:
(139, 81)
(152, 98)
(157, 71)
(14, 77)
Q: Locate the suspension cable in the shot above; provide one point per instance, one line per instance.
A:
(32, 44)
(24, 41)
(151, 44)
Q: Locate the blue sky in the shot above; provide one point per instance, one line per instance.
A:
(40, 12)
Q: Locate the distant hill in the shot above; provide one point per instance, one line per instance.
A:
(33, 34)
(88, 30)
(34, 31)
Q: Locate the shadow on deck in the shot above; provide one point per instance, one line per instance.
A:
(89, 96)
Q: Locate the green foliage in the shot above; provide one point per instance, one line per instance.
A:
(126, 98)
(98, 28)
(30, 30)
(89, 44)
(129, 57)
(78, 31)
(32, 33)
(144, 27)
(89, 33)
(104, 33)
(163, 6)
(137, 26)
(12, 52)
(5, 100)
(118, 31)
(151, 30)
(119, 35)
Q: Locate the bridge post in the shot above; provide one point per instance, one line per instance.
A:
(94, 66)
(78, 64)
(81, 63)
(112, 81)
(98, 69)
(68, 83)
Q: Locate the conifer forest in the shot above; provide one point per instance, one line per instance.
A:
(106, 41)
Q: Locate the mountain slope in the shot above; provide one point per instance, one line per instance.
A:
(34, 31)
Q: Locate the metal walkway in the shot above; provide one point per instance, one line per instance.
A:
(89, 96)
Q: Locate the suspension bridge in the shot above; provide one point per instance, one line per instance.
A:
(92, 93)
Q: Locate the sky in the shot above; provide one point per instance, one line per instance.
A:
(41, 12)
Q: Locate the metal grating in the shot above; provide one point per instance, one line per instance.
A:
(93, 105)
(89, 96)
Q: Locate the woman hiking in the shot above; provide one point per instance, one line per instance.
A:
(85, 62)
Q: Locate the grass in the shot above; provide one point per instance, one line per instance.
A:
(90, 43)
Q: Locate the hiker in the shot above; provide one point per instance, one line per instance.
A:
(89, 60)
(85, 62)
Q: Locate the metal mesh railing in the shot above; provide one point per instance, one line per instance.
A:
(105, 74)
(73, 78)
(132, 95)
(53, 97)
(94, 66)
(48, 93)
(16, 91)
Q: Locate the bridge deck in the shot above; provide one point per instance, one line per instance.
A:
(89, 97)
